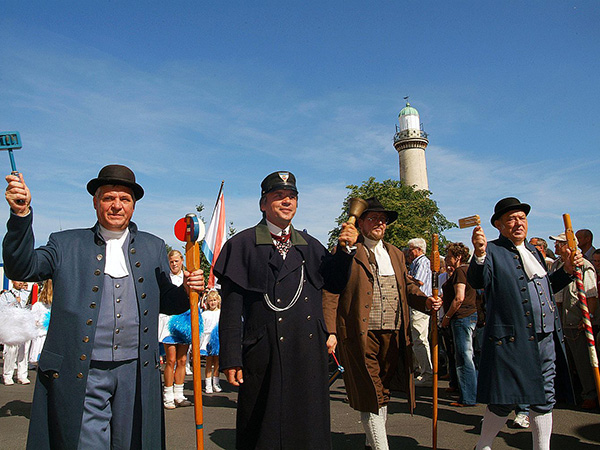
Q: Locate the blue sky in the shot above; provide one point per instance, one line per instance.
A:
(190, 93)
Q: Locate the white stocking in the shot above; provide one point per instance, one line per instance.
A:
(541, 429)
(374, 425)
(491, 426)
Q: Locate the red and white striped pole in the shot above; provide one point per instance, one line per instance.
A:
(587, 323)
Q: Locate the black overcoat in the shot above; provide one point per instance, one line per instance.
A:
(284, 400)
(74, 260)
(510, 367)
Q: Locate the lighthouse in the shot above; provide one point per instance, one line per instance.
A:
(411, 141)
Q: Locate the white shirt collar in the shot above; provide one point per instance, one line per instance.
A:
(274, 229)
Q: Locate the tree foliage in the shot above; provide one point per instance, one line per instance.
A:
(418, 215)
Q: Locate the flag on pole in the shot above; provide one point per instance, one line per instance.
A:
(216, 235)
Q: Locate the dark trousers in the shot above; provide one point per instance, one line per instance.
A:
(382, 355)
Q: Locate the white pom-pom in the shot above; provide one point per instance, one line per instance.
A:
(17, 325)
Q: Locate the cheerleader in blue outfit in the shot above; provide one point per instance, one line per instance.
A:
(209, 341)
(176, 342)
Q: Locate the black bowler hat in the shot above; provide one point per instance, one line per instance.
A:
(117, 175)
(278, 180)
(376, 206)
(509, 204)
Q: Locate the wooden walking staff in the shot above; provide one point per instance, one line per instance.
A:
(587, 323)
(435, 272)
(191, 230)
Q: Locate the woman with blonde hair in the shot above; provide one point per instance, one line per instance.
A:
(41, 313)
(209, 341)
(176, 344)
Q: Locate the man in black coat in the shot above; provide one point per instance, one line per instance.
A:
(523, 359)
(272, 332)
(98, 383)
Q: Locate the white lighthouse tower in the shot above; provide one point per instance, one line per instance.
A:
(411, 141)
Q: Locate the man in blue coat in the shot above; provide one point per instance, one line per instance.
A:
(98, 383)
(272, 332)
(523, 359)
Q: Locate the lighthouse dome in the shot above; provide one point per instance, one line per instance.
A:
(408, 111)
(409, 118)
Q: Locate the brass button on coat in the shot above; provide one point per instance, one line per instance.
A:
(97, 272)
(141, 279)
(143, 295)
(132, 251)
(138, 264)
(99, 256)
(86, 339)
(89, 322)
(93, 305)
(95, 289)
(79, 375)
(83, 357)
(55, 375)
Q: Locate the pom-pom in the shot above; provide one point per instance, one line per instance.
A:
(212, 347)
(46, 319)
(17, 325)
(180, 327)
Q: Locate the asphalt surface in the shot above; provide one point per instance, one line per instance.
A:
(458, 428)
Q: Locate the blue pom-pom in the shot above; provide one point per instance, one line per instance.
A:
(212, 347)
(180, 327)
(46, 320)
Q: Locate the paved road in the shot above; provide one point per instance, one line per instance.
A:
(458, 427)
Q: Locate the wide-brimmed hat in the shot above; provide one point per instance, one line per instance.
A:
(115, 174)
(278, 180)
(376, 206)
(509, 204)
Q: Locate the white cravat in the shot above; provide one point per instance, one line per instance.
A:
(531, 265)
(115, 265)
(384, 263)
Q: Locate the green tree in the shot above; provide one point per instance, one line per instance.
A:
(418, 215)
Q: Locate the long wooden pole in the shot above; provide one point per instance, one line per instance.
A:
(587, 323)
(435, 271)
(192, 261)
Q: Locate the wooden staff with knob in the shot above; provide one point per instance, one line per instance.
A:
(587, 323)
(191, 230)
(435, 272)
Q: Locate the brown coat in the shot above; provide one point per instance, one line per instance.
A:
(347, 316)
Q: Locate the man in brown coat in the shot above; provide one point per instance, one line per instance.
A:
(370, 321)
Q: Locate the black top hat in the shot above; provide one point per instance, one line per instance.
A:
(509, 204)
(117, 175)
(278, 180)
(376, 206)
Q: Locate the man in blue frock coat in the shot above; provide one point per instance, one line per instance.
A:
(523, 359)
(98, 383)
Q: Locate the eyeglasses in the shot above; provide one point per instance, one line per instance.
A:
(377, 219)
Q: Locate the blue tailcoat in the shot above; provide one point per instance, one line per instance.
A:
(74, 260)
(510, 367)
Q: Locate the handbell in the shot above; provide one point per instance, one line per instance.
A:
(356, 209)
